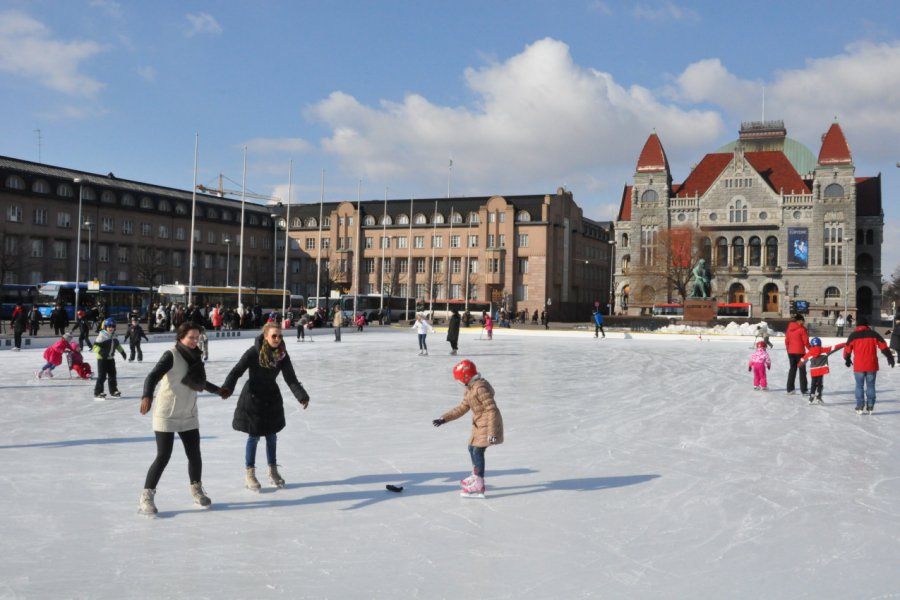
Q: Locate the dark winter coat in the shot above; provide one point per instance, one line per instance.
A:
(260, 409)
(796, 340)
(863, 346)
(453, 328)
(20, 322)
(59, 318)
(895, 333)
(134, 334)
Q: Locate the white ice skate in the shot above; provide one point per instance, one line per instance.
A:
(474, 489)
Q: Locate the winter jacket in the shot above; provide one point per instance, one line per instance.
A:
(77, 358)
(598, 318)
(216, 318)
(796, 339)
(895, 334)
(59, 318)
(106, 346)
(486, 419)
(19, 321)
(134, 334)
(488, 323)
(763, 336)
(178, 372)
(422, 326)
(260, 409)
(53, 354)
(863, 346)
(761, 357)
(453, 328)
(818, 359)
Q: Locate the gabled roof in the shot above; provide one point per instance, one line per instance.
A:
(625, 205)
(703, 175)
(835, 150)
(777, 170)
(653, 157)
(868, 196)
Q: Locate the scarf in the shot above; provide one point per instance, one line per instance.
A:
(269, 357)
(196, 374)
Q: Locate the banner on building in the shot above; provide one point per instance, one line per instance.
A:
(798, 247)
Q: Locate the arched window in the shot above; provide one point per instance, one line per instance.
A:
(147, 202)
(164, 206)
(523, 216)
(420, 219)
(226, 216)
(772, 251)
(796, 292)
(647, 294)
(456, 218)
(649, 196)
(721, 252)
(369, 220)
(737, 252)
(14, 182)
(311, 222)
(40, 187)
(626, 262)
(88, 193)
(180, 209)
(403, 219)
(474, 218)
(755, 251)
(253, 220)
(387, 220)
(737, 211)
(706, 250)
(832, 293)
(295, 222)
(326, 221)
(211, 213)
(624, 240)
(438, 218)
(834, 190)
(64, 190)
(107, 197)
(736, 293)
(199, 211)
(127, 200)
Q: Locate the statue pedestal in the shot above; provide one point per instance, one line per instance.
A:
(700, 309)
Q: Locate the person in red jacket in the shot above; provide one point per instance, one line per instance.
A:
(818, 366)
(861, 352)
(796, 340)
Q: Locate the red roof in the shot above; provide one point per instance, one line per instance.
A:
(625, 205)
(653, 157)
(835, 150)
(778, 171)
(868, 196)
(703, 175)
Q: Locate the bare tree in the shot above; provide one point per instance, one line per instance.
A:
(667, 264)
(151, 267)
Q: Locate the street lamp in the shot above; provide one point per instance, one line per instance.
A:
(89, 226)
(849, 241)
(274, 249)
(612, 270)
(78, 250)
(227, 259)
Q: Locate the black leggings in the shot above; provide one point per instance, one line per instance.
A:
(165, 440)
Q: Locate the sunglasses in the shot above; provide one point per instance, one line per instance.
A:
(276, 336)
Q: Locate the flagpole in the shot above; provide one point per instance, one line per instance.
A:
(319, 245)
(193, 217)
(409, 267)
(287, 238)
(433, 250)
(356, 256)
(449, 240)
(383, 236)
(240, 306)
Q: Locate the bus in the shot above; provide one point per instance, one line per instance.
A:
(371, 305)
(668, 310)
(16, 293)
(734, 310)
(269, 300)
(443, 309)
(120, 300)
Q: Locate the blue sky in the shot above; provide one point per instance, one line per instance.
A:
(524, 96)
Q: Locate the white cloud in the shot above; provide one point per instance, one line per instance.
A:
(202, 23)
(147, 73)
(664, 11)
(27, 49)
(539, 122)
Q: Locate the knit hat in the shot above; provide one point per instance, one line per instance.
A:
(67, 337)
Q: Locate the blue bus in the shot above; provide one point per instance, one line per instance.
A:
(16, 293)
(120, 300)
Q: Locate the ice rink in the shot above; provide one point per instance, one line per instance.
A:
(632, 468)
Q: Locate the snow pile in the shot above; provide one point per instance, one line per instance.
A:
(731, 328)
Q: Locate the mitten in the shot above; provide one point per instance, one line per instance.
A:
(749, 368)
(438, 422)
(848, 362)
(302, 396)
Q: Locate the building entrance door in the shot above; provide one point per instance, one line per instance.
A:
(771, 299)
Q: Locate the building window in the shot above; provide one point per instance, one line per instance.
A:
(59, 249)
(438, 265)
(14, 213)
(492, 217)
(491, 240)
(370, 265)
(127, 227)
(648, 244)
(454, 241)
(522, 240)
(437, 241)
(455, 291)
(386, 220)
(123, 255)
(737, 211)
(420, 265)
(253, 242)
(146, 230)
(419, 241)
(385, 241)
(177, 259)
(771, 251)
(721, 252)
(64, 190)
(501, 239)
(40, 216)
(311, 222)
(128, 200)
(107, 224)
(210, 237)
(834, 243)
(147, 202)
(40, 187)
(523, 216)
(326, 243)
(369, 242)
(107, 197)
(11, 247)
(523, 265)
(832, 293)
(310, 243)
(420, 219)
(103, 253)
(473, 265)
(473, 241)
(737, 252)
(163, 232)
(387, 265)
(521, 292)
(403, 266)
(14, 182)
(493, 265)
(455, 217)
(755, 251)
(455, 265)
(649, 196)
(474, 218)
(369, 221)
(63, 219)
(834, 190)
(438, 218)
(420, 290)
(403, 242)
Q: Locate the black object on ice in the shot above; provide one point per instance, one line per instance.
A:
(394, 488)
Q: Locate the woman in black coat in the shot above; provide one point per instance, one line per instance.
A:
(260, 410)
(895, 334)
(453, 330)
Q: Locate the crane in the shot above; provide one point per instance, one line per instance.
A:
(221, 191)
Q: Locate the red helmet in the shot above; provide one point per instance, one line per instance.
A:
(464, 372)
(760, 344)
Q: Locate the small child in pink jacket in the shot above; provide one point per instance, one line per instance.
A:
(759, 363)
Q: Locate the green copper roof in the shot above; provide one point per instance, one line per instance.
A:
(800, 156)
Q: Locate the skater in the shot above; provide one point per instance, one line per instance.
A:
(796, 341)
(34, 321)
(489, 326)
(302, 322)
(18, 322)
(598, 323)
(260, 409)
(83, 325)
(487, 423)
(895, 335)
(77, 364)
(53, 356)
(203, 344)
(360, 322)
(762, 335)
(839, 324)
(423, 328)
(453, 330)
(182, 375)
(105, 347)
(818, 366)
(337, 321)
(133, 337)
(861, 353)
(59, 320)
(759, 364)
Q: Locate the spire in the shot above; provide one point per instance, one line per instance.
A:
(653, 157)
(835, 150)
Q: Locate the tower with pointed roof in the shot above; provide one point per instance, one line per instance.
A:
(776, 224)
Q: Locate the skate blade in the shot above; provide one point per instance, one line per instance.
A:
(478, 495)
(147, 515)
(254, 490)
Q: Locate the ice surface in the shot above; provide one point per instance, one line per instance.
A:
(641, 467)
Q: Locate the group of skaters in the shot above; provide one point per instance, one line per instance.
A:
(860, 351)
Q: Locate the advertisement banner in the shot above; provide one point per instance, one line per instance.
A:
(798, 248)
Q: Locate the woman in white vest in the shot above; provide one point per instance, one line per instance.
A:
(181, 374)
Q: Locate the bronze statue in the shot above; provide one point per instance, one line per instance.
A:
(700, 280)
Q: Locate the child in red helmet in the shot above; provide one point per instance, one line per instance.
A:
(487, 423)
(759, 363)
(818, 366)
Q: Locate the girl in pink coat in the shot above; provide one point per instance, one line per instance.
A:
(54, 355)
(489, 326)
(759, 364)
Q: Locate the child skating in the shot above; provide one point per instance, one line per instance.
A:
(759, 364)
(53, 356)
(818, 366)
(487, 423)
(105, 347)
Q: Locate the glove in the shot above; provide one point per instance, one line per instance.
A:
(492, 440)
(749, 368)
(848, 362)
(302, 397)
(438, 422)
(768, 367)
(224, 393)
